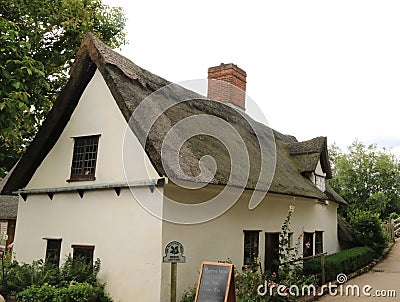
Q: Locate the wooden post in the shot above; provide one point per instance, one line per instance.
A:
(173, 281)
(323, 268)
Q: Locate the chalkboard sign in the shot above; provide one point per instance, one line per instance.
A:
(216, 283)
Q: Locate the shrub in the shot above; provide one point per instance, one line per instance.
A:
(80, 270)
(393, 215)
(367, 230)
(21, 276)
(74, 292)
(345, 262)
(76, 280)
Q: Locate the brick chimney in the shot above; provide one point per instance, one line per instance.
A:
(235, 91)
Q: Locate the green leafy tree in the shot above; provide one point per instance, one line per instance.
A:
(367, 177)
(38, 41)
(367, 230)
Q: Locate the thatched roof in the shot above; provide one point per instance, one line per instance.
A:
(308, 153)
(130, 85)
(8, 205)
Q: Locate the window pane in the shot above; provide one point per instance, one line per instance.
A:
(320, 182)
(53, 250)
(250, 246)
(318, 242)
(82, 251)
(84, 158)
(308, 244)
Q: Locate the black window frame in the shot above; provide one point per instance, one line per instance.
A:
(83, 251)
(251, 246)
(319, 242)
(85, 143)
(308, 237)
(53, 251)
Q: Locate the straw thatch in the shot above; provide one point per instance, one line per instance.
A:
(131, 84)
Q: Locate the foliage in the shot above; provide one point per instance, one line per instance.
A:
(366, 229)
(367, 178)
(189, 295)
(393, 215)
(38, 41)
(76, 280)
(345, 262)
(80, 270)
(74, 292)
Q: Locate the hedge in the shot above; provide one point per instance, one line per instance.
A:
(345, 262)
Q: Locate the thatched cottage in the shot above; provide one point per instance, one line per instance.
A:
(127, 162)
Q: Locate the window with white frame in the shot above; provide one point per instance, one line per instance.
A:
(320, 182)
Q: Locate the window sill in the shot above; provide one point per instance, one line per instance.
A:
(81, 178)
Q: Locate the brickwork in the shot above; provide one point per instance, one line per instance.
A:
(227, 83)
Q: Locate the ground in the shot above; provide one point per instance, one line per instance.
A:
(383, 277)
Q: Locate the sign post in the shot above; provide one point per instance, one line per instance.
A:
(173, 281)
(174, 255)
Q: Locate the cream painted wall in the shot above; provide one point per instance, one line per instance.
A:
(96, 113)
(127, 238)
(222, 238)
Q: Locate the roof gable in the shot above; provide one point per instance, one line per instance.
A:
(308, 153)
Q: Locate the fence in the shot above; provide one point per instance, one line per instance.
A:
(392, 228)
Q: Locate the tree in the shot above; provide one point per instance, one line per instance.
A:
(367, 230)
(367, 177)
(38, 41)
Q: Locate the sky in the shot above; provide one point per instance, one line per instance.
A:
(315, 68)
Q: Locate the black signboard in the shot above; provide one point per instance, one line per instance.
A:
(216, 283)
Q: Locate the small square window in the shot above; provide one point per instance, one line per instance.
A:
(84, 158)
(83, 251)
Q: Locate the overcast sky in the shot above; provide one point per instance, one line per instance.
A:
(315, 68)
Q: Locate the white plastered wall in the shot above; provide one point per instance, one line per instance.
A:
(126, 237)
(222, 238)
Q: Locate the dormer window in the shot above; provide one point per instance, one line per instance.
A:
(84, 158)
(320, 182)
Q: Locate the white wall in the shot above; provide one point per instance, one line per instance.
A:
(222, 238)
(127, 238)
(96, 113)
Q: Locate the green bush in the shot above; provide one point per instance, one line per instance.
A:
(393, 215)
(76, 280)
(74, 292)
(345, 262)
(80, 270)
(366, 228)
(21, 276)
